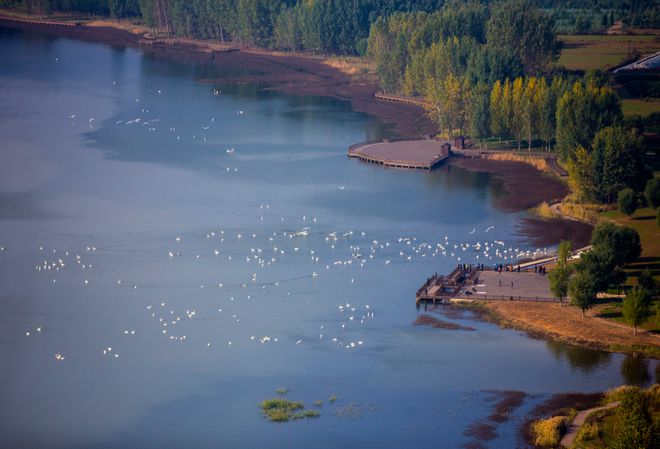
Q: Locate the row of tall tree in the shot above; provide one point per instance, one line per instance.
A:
(328, 26)
(472, 41)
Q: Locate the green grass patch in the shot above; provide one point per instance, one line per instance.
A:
(640, 106)
(642, 221)
(592, 52)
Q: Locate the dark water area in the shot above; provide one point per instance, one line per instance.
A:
(186, 253)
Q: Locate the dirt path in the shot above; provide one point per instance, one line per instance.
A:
(579, 420)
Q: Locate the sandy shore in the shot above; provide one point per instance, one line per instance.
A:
(566, 324)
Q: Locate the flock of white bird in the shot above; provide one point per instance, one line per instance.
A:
(326, 251)
(348, 250)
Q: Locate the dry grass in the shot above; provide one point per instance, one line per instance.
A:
(548, 432)
(352, 66)
(583, 212)
(537, 162)
(544, 210)
(127, 25)
(565, 323)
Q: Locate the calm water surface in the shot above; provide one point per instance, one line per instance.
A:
(140, 212)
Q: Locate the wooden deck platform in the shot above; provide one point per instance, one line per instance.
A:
(415, 154)
(416, 101)
(27, 21)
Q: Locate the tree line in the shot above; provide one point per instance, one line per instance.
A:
(326, 26)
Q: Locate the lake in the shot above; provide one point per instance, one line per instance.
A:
(186, 249)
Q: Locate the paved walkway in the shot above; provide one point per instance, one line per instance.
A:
(512, 284)
(579, 420)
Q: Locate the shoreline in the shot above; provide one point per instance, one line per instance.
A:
(565, 324)
(301, 74)
(291, 73)
(525, 186)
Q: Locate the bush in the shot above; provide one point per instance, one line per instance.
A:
(652, 192)
(627, 201)
(634, 421)
(548, 432)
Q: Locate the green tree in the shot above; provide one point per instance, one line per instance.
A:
(582, 291)
(634, 425)
(646, 281)
(619, 157)
(636, 307)
(652, 192)
(497, 125)
(478, 112)
(559, 281)
(627, 201)
(581, 112)
(581, 174)
(517, 26)
(564, 253)
(519, 109)
(618, 245)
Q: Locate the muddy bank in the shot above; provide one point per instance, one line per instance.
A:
(289, 73)
(482, 431)
(545, 232)
(526, 187)
(300, 75)
(431, 321)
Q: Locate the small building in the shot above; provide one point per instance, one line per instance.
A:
(459, 142)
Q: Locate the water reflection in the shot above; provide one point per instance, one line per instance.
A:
(580, 358)
(121, 217)
(635, 370)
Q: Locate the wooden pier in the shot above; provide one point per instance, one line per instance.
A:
(412, 154)
(415, 101)
(27, 21)
(440, 288)
(483, 283)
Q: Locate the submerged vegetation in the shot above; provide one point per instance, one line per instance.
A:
(282, 410)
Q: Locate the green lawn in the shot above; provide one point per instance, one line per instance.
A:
(643, 221)
(639, 106)
(590, 52)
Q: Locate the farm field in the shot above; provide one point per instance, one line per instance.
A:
(591, 52)
(640, 106)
